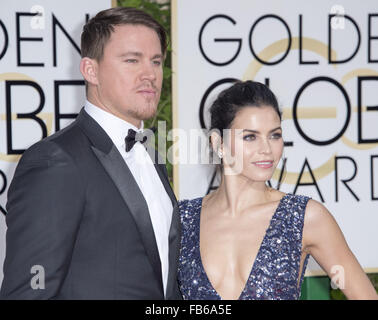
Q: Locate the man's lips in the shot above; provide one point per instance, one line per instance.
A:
(147, 91)
(264, 164)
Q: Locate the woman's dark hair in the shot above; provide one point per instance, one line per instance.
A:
(240, 95)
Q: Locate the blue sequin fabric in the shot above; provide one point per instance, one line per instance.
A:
(275, 272)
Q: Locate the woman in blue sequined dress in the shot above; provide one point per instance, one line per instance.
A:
(246, 240)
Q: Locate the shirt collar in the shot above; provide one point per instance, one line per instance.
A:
(116, 128)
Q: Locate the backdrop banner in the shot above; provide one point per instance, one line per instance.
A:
(322, 63)
(41, 88)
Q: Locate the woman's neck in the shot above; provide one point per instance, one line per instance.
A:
(235, 193)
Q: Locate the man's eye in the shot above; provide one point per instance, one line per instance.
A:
(249, 137)
(157, 62)
(131, 60)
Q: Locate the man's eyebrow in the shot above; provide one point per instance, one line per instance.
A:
(131, 53)
(158, 56)
(255, 131)
(140, 54)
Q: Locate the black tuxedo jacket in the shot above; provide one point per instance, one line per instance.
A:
(79, 226)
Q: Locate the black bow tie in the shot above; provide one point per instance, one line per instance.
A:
(133, 137)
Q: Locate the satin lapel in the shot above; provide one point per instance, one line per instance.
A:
(174, 251)
(133, 197)
(174, 232)
(154, 155)
(123, 179)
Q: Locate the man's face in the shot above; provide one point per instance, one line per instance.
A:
(130, 74)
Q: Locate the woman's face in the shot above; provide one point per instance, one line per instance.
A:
(253, 147)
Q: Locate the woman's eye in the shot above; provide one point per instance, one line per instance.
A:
(276, 135)
(249, 137)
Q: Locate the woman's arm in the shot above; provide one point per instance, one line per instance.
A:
(323, 239)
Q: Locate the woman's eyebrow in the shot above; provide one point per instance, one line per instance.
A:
(256, 131)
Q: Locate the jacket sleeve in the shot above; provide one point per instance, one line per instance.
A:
(45, 203)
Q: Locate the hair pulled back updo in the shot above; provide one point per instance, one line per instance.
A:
(240, 95)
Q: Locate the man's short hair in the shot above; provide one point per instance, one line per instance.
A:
(97, 31)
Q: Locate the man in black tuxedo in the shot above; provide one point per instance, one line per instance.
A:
(90, 214)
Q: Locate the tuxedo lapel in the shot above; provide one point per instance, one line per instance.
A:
(174, 250)
(119, 172)
(166, 184)
(174, 231)
(131, 194)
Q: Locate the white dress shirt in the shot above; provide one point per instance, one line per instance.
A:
(148, 180)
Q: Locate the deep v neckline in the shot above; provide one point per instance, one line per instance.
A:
(253, 267)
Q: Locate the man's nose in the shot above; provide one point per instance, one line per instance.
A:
(149, 71)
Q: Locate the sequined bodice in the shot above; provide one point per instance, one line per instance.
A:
(275, 271)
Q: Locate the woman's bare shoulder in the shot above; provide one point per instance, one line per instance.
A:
(319, 224)
(317, 213)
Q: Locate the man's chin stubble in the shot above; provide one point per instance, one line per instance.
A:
(146, 115)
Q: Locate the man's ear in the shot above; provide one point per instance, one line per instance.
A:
(88, 68)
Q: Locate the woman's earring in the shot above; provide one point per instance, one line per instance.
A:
(220, 154)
